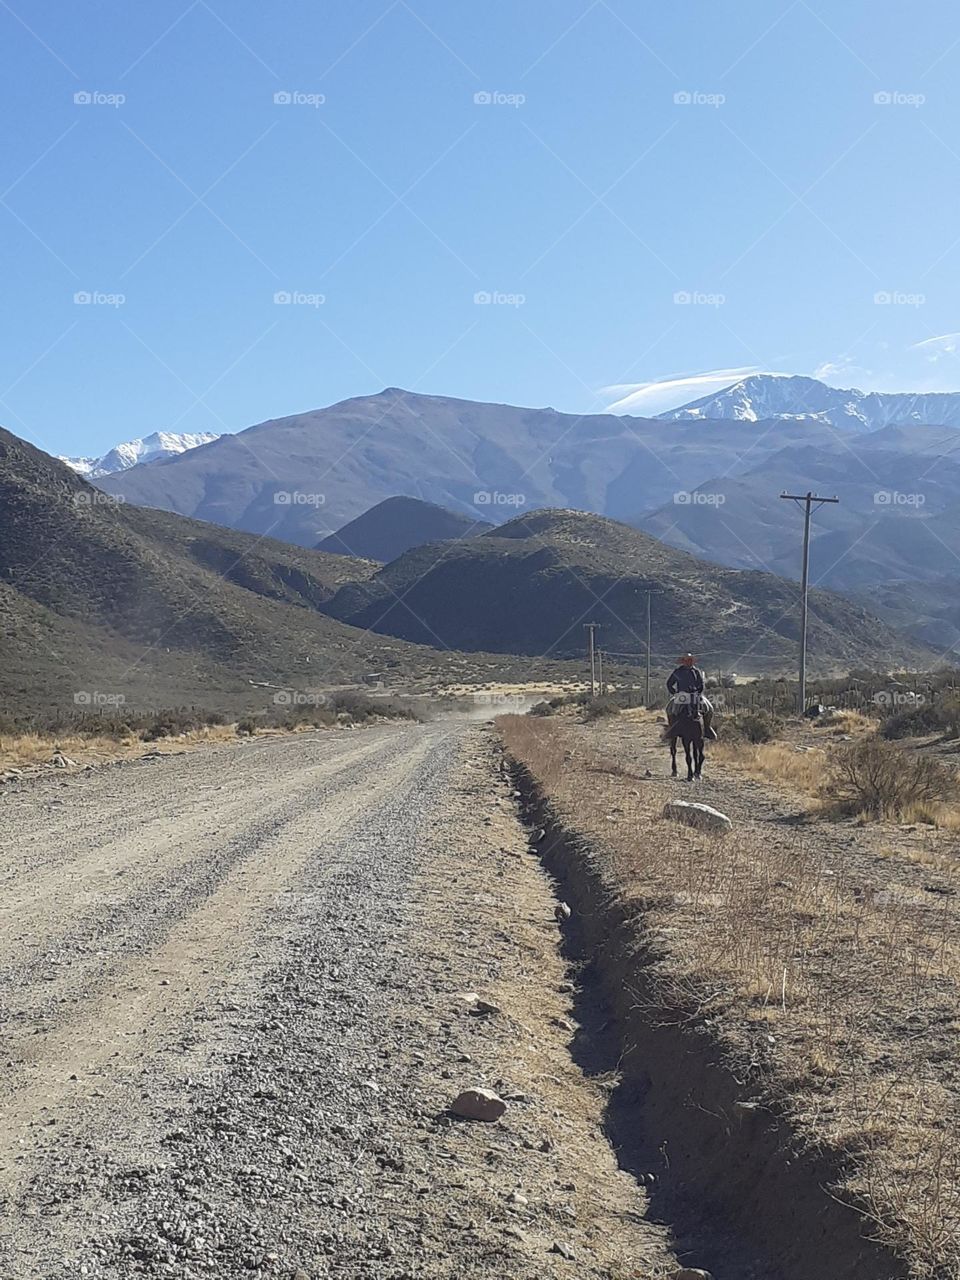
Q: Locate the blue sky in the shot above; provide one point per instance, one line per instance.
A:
(643, 192)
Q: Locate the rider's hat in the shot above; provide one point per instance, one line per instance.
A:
(686, 659)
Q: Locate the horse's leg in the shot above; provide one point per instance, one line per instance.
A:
(698, 752)
(687, 745)
(673, 755)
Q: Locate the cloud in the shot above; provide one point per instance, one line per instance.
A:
(947, 344)
(649, 398)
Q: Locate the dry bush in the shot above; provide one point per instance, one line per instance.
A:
(875, 779)
(754, 726)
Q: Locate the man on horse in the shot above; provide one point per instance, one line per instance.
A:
(685, 684)
(686, 677)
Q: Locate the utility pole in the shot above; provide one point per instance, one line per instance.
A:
(600, 671)
(806, 501)
(646, 694)
(591, 628)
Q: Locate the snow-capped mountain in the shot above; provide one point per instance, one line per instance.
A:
(767, 395)
(161, 444)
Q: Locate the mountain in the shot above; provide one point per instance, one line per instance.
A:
(530, 585)
(898, 515)
(397, 524)
(161, 444)
(299, 478)
(102, 600)
(766, 395)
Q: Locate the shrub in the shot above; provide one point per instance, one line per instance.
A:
(598, 708)
(542, 709)
(247, 727)
(874, 778)
(757, 726)
(923, 718)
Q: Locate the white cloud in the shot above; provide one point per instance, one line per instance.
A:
(650, 398)
(947, 344)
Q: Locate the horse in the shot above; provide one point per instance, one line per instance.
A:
(685, 721)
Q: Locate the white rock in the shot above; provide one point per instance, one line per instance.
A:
(692, 814)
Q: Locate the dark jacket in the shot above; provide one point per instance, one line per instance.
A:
(685, 680)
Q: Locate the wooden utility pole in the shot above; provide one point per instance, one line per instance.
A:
(591, 628)
(806, 501)
(600, 671)
(646, 692)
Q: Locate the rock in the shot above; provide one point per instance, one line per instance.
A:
(563, 1249)
(701, 816)
(690, 1273)
(478, 1104)
(562, 912)
(60, 761)
(516, 1198)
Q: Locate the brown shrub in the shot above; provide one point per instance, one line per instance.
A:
(874, 778)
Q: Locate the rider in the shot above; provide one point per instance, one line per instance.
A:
(687, 680)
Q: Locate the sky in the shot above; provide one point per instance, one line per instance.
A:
(217, 213)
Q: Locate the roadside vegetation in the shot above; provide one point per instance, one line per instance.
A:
(829, 976)
(90, 736)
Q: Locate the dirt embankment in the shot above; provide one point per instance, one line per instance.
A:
(786, 1009)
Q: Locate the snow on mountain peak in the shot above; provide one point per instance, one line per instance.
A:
(764, 395)
(158, 445)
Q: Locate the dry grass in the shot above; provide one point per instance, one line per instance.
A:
(844, 975)
(800, 770)
(33, 750)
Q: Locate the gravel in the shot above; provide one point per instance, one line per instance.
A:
(233, 1006)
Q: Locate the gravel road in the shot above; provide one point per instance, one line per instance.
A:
(235, 1002)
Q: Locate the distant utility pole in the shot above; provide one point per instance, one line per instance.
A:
(646, 694)
(591, 628)
(600, 671)
(806, 501)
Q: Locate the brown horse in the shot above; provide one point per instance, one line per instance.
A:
(685, 721)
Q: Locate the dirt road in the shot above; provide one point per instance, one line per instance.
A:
(235, 1004)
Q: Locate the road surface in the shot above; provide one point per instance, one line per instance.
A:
(235, 1003)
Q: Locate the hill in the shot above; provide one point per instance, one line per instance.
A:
(898, 516)
(530, 585)
(398, 524)
(302, 478)
(146, 608)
